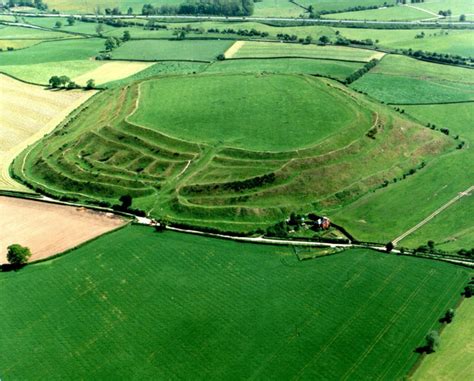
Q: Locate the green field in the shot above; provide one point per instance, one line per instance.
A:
(336, 5)
(90, 6)
(455, 358)
(435, 185)
(252, 49)
(155, 50)
(397, 13)
(242, 115)
(335, 69)
(400, 80)
(441, 41)
(19, 33)
(136, 304)
(277, 8)
(456, 6)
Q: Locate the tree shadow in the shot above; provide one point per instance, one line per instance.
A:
(5, 268)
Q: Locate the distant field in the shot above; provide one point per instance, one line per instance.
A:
(252, 49)
(89, 6)
(336, 5)
(455, 358)
(111, 71)
(154, 50)
(457, 7)
(17, 44)
(277, 8)
(399, 79)
(160, 298)
(397, 13)
(429, 189)
(440, 41)
(54, 228)
(78, 27)
(55, 51)
(28, 113)
(14, 32)
(337, 69)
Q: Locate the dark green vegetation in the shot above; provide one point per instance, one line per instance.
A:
(136, 304)
(18, 255)
(252, 175)
(155, 50)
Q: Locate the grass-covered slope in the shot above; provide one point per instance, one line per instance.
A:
(403, 80)
(432, 187)
(222, 164)
(136, 304)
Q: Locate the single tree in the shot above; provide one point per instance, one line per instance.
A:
(126, 201)
(389, 247)
(324, 40)
(18, 255)
(308, 40)
(432, 341)
(58, 24)
(462, 18)
(71, 20)
(90, 84)
(55, 82)
(448, 317)
(126, 36)
(431, 245)
(130, 11)
(64, 79)
(99, 29)
(71, 85)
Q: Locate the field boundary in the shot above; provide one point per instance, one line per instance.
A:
(296, 57)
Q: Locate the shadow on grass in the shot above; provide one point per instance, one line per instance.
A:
(5, 268)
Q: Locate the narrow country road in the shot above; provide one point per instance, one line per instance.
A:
(249, 18)
(433, 215)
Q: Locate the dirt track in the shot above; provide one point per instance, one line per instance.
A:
(48, 229)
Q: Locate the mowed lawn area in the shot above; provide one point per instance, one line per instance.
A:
(253, 49)
(404, 80)
(137, 304)
(455, 358)
(157, 50)
(239, 110)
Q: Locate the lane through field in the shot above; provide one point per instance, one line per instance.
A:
(433, 215)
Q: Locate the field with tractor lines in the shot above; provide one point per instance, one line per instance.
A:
(190, 307)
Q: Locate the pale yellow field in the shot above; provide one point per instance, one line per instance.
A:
(454, 360)
(112, 71)
(48, 229)
(233, 49)
(27, 113)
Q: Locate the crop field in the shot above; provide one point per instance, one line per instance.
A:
(227, 172)
(252, 49)
(440, 41)
(54, 228)
(335, 69)
(403, 80)
(169, 297)
(155, 50)
(28, 113)
(455, 358)
(435, 185)
(112, 71)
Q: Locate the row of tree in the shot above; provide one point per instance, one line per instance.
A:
(203, 7)
(38, 4)
(451, 59)
(317, 14)
(64, 82)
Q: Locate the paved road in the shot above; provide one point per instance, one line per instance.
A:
(251, 18)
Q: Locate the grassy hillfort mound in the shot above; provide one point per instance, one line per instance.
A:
(231, 159)
(136, 304)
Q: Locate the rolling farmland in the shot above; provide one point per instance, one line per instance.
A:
(235, 197)
(169, 297)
